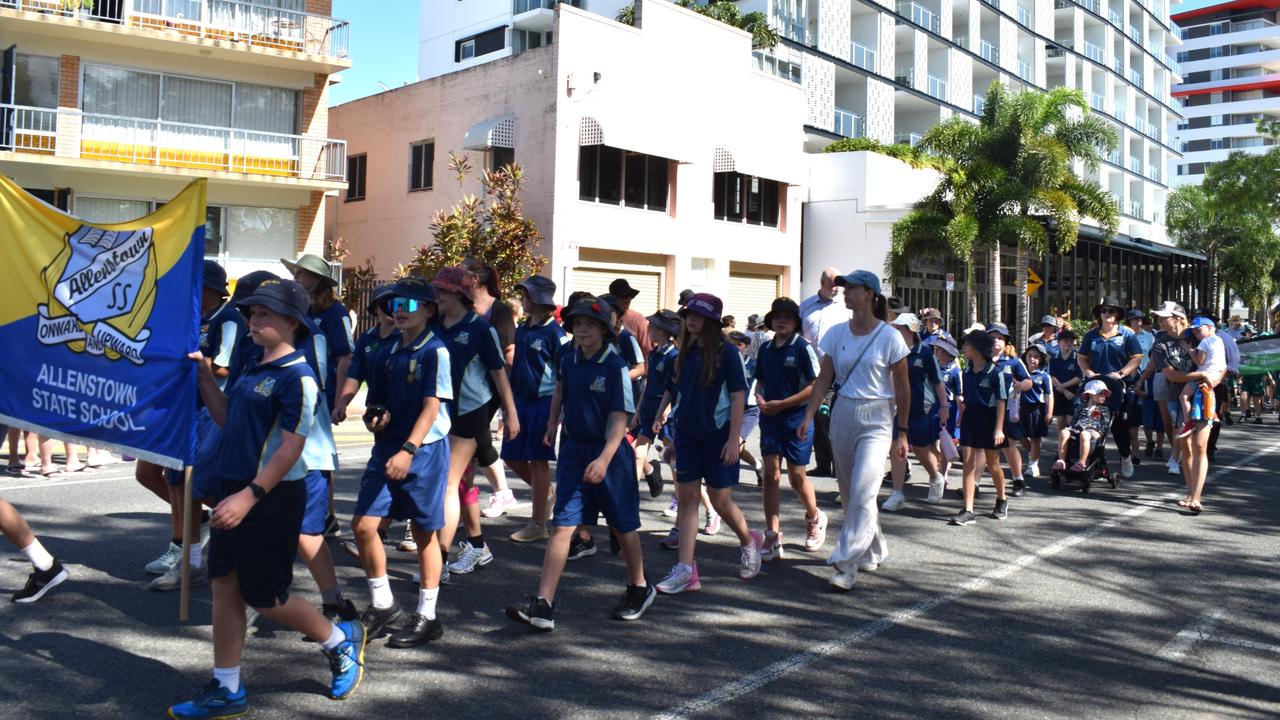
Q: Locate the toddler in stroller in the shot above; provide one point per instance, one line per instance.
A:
(1085, 438)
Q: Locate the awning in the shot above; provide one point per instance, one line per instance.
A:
(780, 167)
(636, 133)
(494, 132)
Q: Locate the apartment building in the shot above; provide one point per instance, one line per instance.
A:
(1230, 54)
(111, 107)
(685, 170)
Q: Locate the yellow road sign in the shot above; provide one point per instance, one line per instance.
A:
(1033, 282)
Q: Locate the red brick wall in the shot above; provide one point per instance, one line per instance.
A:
(69, 81)
(320, 7)
(309, 222)
(315, 107)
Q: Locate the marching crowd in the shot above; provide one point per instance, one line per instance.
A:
(847, 379)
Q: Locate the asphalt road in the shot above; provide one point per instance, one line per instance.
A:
(1110, 605)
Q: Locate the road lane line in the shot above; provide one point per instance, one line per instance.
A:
(1239, 642)
(1197, 631)
(730, 691)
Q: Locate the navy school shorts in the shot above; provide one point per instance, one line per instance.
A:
(261, 549)
(579, 502)
(778, 437)
(419, 497)
(528, 445)
(978, 428)
(699, 459)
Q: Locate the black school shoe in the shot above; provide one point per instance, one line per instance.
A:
(40, 582)
(579, 548)
(654, 478)
(635, 600)
(964, 517)
(337, 612)
(376, 621)
(534, 612)
(1001, 510)
(1018, 487)
(418, 631)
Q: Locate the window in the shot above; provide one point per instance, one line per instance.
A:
(151, 96)
(104, 211)
(266, 109)
(743, 198)
(467, 50)
(611, 175)
(213, 231)
(355, 176)
(37, 81)
(500, 157)
(421, 157)
(262, 233)
(489, 41)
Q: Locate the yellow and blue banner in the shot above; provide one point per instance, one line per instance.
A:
(96, 322)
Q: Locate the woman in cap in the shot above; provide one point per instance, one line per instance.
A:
(867, 361)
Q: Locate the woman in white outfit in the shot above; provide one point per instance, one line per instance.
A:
(866, 360)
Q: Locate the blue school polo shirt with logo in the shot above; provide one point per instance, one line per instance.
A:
(784, 371)
(749, 367)
(1108, 355)
(335, 325)
(407, 375)
(591, 388)
(984, 388)
(951, 379)
(1041, 388)
(627, 346)
(1064, 369)
(923, 376)
(657, 374)
(220, 333)
(1012, 370)
(703, 410)
(371, 348)
(248, 353)
(538, 347)
(474, 351)
(267, 400)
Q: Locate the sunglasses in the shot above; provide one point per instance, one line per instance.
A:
(408, 305)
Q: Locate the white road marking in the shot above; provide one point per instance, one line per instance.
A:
(1238, 642)
(754, 681)
(1197, 631)
(60, 483)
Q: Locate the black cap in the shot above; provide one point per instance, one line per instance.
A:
(414, 289)
(1108, 303)
(686, 295)
(621, 288)
(1135, 314)
(982, 342)
(1067, 333)
(666, 321)
(247, 284)
(215, 278)
(283, 297)
(737, 336)
(379, 294)
(782, 304)
(594, 308)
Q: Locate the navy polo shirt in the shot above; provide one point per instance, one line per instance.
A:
(533, 371)
(474, 351)
(749, 367)
(785, 371)
(1012, 370)
(1108, 355)
(657, 374)
(592, 388)
(249, 353)
(703, 410)
(984, 388)
(370, 348)
(951, 379)
(627, 346)
(923, 376)
(335, 325)
(1064, 369)
(928, 339)
(1041, 388)
(267, 400)
(220, 332)
(409, 374)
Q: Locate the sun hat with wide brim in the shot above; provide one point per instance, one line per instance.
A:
(1108, 303)
(782, 304)
(705, 304)
(283, 297)
(313, 264)
(594, 308)
(452, 279)
(666, 321)
(1096, 387)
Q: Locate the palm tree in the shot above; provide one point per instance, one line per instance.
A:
(763, 36)
(1009, 180)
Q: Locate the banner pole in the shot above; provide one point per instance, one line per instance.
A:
(184, 602)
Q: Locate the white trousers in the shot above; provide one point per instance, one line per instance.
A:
(861, 432)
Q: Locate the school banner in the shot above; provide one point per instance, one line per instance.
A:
(96, 322)
(1259, 355)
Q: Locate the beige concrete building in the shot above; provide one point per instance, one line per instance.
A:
(116, 106)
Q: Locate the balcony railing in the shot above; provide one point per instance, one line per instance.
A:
(989, 52)
(1091, 51)
(1113, 157)
(862, 56)
(849, 124)
(1097, 102)
(1024, 71)
(233, 21)
(1137, 210)
(1135, 164)
(908, 138)
(1223, 27)
(905, 76)
(1135, 76)
(1119, 114)
(1118, 66)
(161, 143)
(524, 6)
(1153, 173)
(979, 103)
(1114, 17)
(1024, 16)
(1134, 33)
(937, 87)
(920, 15)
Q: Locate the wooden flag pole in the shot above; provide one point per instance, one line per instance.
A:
(184, 602)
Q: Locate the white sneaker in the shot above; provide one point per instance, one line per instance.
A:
(1174, 467)
(172, 579)
(1126, 468)
(815, 532)
(499, 503)
(895, 502)
(772, 549)
(681, 578)
(408, 544)
(868, 567)
(751, 556)
(1033, 470)
(167, 560)
(470, 558)
(842, 581)
(673, 509)
(936, 488)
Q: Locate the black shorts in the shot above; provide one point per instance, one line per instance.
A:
(261, 549)
(475, 426)
(1062, 407)
(978, 428)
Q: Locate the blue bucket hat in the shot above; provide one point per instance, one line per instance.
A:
(379, 295)
(283, 297)
(860, 278)
(215, 278)
(594, 308)
(541, 289)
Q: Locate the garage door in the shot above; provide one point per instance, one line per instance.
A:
(596, 281)
(750, 294)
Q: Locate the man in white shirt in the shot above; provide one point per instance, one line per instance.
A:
(818, 314)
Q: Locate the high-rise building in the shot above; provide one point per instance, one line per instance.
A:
(109, 108)
(1230, 56)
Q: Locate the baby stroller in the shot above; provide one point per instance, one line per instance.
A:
(1095, 468)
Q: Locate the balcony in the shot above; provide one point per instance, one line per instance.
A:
(1135, 165)
(1135, 34)
(1113, 157)
(1153, 173)
(533, 15)
(979, 104)
(920, 15)
(71, 134)
(1024, 16)
(1024, 71)
(905, 76)
(937, 87)
(1097, 102)
(243, 24)
(1119, 114)
(1091, 51)
(908, 138)
(1118, 66)
(849, 125)
(1114, 18)
(862, 56)
(1224, 27)
(1135, 76)
(1137, 210)
(989, 52)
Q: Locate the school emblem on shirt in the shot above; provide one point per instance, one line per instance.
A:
(789, 361)
(536, 345)
(917, 363)
(101, 291)
(597, 385)
(464, 337)
(204, 336)
(265, 387)
(414, 371)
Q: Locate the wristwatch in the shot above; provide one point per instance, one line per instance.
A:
(409, 447)
(257, 490)
(902, 429)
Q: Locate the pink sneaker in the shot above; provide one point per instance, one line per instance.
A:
(672, 540)
(681, 578)
(1060, 465)
(750, 566)
(713, 524)
(499, 503)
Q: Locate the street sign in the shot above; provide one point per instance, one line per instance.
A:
(951, 282)
(1033, 282)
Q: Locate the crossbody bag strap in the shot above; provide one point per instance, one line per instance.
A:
(858, 361)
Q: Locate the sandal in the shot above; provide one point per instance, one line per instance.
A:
(1184, 502)
(1195, 508)
(74, 468)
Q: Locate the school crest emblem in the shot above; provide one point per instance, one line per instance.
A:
(414, 371)
(101, 290)
(598, 385)
(789, 361)
(265, 387)
(464, 337)
(536, 345)
(204, 336)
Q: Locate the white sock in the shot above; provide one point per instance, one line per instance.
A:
(427, 602)
(38, 556)
(336, 636)
(228, 678)
(500, 472)
(380, 592)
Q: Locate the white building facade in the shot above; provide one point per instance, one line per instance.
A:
(1230, 56)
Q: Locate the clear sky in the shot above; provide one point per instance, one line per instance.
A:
(384, 46)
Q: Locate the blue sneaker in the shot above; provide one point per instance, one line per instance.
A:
(213, 701)
(347, 660)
